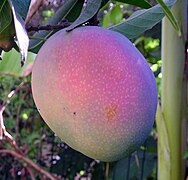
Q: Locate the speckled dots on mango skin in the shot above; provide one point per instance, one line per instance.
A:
(95, 91)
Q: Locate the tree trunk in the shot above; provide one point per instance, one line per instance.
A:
(173, 95)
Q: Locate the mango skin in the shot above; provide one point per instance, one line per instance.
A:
(96, 91)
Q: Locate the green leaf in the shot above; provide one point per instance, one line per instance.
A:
(5, 15)
(21, 7)
(139, 3)
(21, 34)
(75, 11)
(87, 13)
(6, 26)
(11, 22)
(141, 21)
(106, 20)
(35, 45)
(10, 63)
(116, 15)
(170, 16)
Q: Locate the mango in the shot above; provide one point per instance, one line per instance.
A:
(96, 91)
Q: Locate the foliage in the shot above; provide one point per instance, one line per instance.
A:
(13, 24)
(11, 63)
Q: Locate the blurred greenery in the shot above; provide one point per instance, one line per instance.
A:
(47, 14)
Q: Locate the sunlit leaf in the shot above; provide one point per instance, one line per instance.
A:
(116, 15)
(10, 63)
(21, 34)
(106, 20)
(141, 21)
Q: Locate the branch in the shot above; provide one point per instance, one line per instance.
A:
(19, 154)
(47, 27)
(63, 24)
(29, 163)
(3, 106)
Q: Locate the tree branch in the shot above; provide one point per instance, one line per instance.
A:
(47, 27)
(18, 152)
(29, 163)
(2, 108)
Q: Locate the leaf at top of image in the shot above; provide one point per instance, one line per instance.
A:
(5, 15)
(139, 3)
(21, 7)
(12, 24)
(170, 16)
(75, 11)
(91, 8)
(141, 21)
(6, 26)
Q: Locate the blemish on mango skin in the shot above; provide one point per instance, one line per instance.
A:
(111, 112)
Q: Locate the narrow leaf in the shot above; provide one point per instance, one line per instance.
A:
(170, 16)
(141, 21)
(75, 11)
(87, 13)
(139, 3)
(35, 45)
(21, 34)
